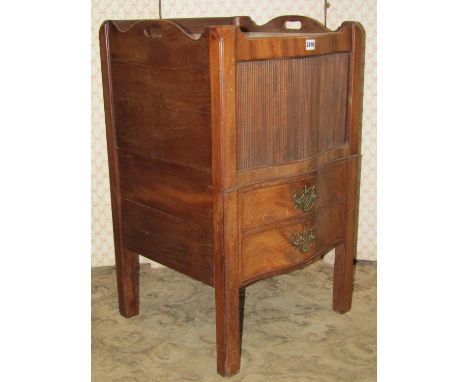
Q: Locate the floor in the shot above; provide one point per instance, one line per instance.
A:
(290, 331)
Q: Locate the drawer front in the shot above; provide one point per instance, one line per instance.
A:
(272, 204)
(289, 245)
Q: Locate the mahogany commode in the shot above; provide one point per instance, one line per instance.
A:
(234, 153)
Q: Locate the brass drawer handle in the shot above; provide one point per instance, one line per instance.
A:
(303, 241)
(305, 198)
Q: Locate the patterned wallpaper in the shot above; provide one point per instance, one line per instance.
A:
(261, 11)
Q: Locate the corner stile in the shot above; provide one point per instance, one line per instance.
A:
(224, 164)
(356, 72)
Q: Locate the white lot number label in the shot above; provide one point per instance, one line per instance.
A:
(310, 44)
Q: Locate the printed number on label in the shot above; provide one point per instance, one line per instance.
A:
(310, 44)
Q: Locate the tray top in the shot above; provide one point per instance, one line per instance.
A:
(252, 35)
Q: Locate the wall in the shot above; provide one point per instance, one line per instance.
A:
(364, 11)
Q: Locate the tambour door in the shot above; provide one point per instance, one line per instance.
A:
(290, 109)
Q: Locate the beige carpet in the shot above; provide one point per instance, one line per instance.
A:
(290, 330)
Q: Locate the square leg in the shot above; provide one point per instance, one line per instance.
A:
(128, 274)
(228, 331)
(343, 279)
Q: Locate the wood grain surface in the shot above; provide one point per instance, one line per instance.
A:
(270, 202)
(212, 124)
(271, 250)
(290, 109)
(169, 240)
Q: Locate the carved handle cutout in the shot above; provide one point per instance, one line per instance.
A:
(305, 198)
(303, 241)
(292, 25)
